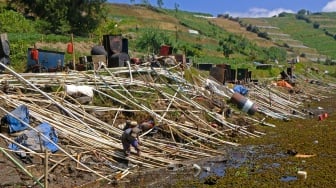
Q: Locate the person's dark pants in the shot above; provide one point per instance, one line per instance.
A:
(127, 145)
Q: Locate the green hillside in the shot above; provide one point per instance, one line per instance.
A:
(236, 41)
(177, 25)
(300, 35)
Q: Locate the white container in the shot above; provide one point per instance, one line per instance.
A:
(302, 174)
(196, 166)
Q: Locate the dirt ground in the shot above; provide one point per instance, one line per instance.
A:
(66, 175)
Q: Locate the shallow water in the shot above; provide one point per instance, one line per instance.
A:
(236, 158)
(288, 178)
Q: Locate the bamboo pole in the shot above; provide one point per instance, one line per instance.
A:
(83, 165)
(44, 94)
(46, 169)
(155, 154)
(158, 116)
(21, 167)
(52, 168)
(73, 52)
(23, 147)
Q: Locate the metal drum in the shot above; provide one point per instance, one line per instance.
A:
(218, 73)
(243, 103)
(118, 60)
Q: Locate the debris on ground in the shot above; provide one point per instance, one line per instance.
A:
(182, 119)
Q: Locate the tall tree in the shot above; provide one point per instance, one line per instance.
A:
(145, 2)
(151, 40)
(177, 6)
(76, 16)
(160, 3)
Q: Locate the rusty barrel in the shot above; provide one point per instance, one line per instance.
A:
(218, 73)
(243, 103)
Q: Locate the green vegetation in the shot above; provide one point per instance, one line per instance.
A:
(303, 32)
(62, 17)
(312, 30)
(10, 18)
(148, 27)
(237, 44)
(151, 39)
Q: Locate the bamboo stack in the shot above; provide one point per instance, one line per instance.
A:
(86, 132)
(161, 93)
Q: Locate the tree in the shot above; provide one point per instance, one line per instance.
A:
(17, 23)
(302, 12)
(227, 47)
(276, 53)
(283, 14)
(152, 39)
(160, 3)
(145, 2)
(177, 6)
(316, 25)
(108, 27)
(191, 50)
(64, 16)
(264, 35)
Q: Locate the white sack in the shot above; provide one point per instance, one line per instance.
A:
(73, 90)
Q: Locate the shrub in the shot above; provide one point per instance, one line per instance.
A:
(264, 35)
(151, 40)
(13, 22)
(316, 25)
(303, 17)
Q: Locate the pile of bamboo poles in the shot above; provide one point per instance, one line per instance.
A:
(283, 103)
(138, 90)
(86, 132)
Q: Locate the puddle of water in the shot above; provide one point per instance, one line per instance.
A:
(275, 165)
(237, 158)
(217, 169)
(288, 178)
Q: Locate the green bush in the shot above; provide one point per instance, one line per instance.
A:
(316, 25)
(13, 22)
(151, 40)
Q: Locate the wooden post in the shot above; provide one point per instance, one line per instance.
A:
(3, 36)
(41, 148)
(73, 53)
(269, 96)
(46, 169)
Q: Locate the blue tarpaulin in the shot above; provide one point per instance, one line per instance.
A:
(14, 124)
(31, 139)
(240, 89)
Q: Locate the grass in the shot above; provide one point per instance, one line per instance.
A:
(176, 23)
(304, 32)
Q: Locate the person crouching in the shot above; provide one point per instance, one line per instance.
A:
(130, 137)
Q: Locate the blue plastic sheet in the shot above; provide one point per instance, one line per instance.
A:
(31, 139)
(14, 124)
(240, 89)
